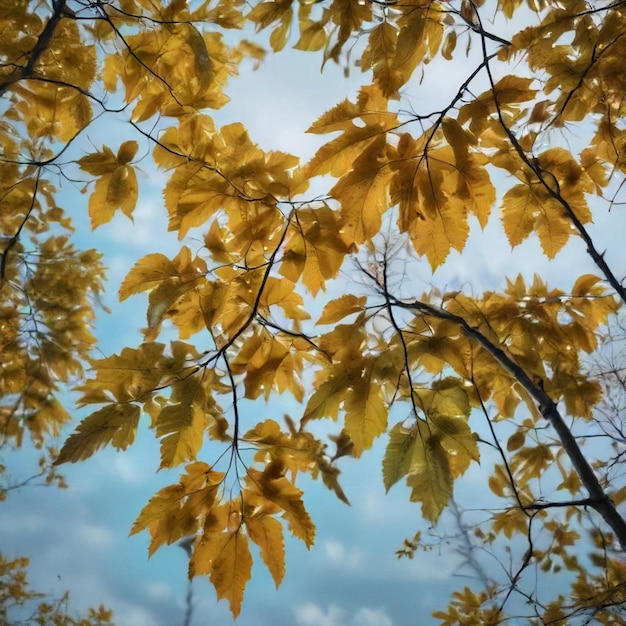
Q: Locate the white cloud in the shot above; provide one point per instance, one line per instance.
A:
(94, 536)
(25, 523)
(158, 591)
(371, 617)
(430, 566)
(128, 469)
(334, 550)
(135, 615)
(311, 614)
(337, 553)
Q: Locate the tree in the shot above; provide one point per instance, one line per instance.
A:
(535, 127)
(16, 592)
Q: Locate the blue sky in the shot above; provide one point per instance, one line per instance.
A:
(77, 538)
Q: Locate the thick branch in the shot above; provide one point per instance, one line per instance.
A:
(598, 499)
(26, 71)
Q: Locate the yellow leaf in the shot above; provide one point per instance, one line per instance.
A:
(579, 394)
(116, 186)
(468, 180)
(251, 49)
(363, 193)
(325, 400)
(121, 177)
(350, 17)
(335, 119)
(297, 450)
(263, 367)
(366, 410)
(410, 48)
(446, 397)
(572, 483)
(213, 297)
(447, 409)
(379, 55)
(266, 13)
(531, 462)
(265, 432)
(288, 497)
(99, 163)
(126, 376)
(337, 156)
(330, 477)
(449, 45)
(499, 482)
(529, 207)
(430, 478)
(436, 235)
(122, 191)
(513, 90)
(430, 212)
(435, 352)
(398, 454)
(216, 242)
(511, 522)
(316, 250)
(181, 424)
(115, 424)
(179, 277)
(519, 212)
(146, 273)
(267, 533)
(111, 72)
(282, 292)
(231, 569)
(516, 440)
(337, 309)
(458, 441)
(126, 152)
(585, 285)
(279, 36)
(508, 7)
(157, 516)
(177, 510)
(162, 298)
(312, 36)
(202, 62)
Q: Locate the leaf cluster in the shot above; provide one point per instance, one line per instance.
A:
(239, 303)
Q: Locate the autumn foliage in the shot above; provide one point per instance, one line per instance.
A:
(534, 137)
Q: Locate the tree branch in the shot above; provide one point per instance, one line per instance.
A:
(598, 499)
(26, 71)
(598, 258)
